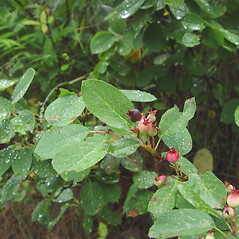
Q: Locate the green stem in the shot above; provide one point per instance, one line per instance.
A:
(220, 231)
(50, 198)
(157, 144)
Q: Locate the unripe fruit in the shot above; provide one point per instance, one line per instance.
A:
(210, 235)
(144, 125)
(233, 198)
(134, 115)
(228, 186)
(228, 212)
(151, 116)
(153, 132)
(161, 180)
(172, 155)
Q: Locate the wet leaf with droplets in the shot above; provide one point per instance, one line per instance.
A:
(5, 108)
(108, 104)
(10, 188)
(173, 121)
(75, 176)
(92, 198)
(63, 195)
(41, 214)
(123, 147)
(23, 85)
(6, 131)
(52, 140)
(78, 156)
(5, 160)
(183, 222)
(21, 162)
(163, 199)
(102, 41)
(139, 96)
(129, 7)
(144, 179)
(133, 162)
(64, 110)
(112, 218)
(4, 84)
(53, 222)
(23, 122)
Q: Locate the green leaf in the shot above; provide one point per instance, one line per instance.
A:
(190, 39)
(179, 12)
(154, 37)
(186, 166)
(4, 84)
(6, 131)
(53, 222)
(193, 22)
(21, 162)
(43, 169)
(133, 162)
(92, 198)
(109, 164)
(51, 141)
(193, 198)
(5, 108)
(108, 104)
(210, 189)
(126, 43)
(23, 122)
(139, 96)
(78, 156)
(182, 141)
(144, 179)
(5, 160)
(214, 11)
(41, 214)
(142, 199)
(128, 8)
(75, 176)
(106, 178)
(87, 224)
(228, 111)
(63, 196)
(173, 3)
(64, 110)
(236, 115)
(112, 218)
(163, 200)
(23, 85)
(117, 25)
(123, 147)
(183, 222)
(10, 188)
(173, 121)
(111, 192)
(102, 41)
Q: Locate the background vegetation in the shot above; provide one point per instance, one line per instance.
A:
(172, 49)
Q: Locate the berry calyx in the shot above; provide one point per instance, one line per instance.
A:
(210, 234)
(228, 212)
(134, 115)
(144, 125)
(233, 198)
(151, 116)
(172, 155)
(228, 186)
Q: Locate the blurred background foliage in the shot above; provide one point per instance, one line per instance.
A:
(172, 49)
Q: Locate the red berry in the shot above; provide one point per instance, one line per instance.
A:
(144, 125)
(233, 198)
(134, 115)
(172, 155)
